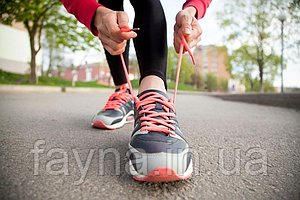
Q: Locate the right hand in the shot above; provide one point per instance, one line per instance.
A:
(109, 24)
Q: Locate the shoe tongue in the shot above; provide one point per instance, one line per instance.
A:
(158, 105)
(152, 90)
(127, 91)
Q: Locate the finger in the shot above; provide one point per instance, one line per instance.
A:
(123, 19)
(186, 27)
(176, 28)
(196, 31)
(112, 51)
(123, 23)
(194, 42)
(112, 44)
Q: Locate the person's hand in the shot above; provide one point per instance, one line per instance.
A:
(109, 24)
(187, 24)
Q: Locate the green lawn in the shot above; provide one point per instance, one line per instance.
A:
(18, 79)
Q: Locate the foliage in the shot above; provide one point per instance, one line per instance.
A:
(253, 26)
(211, 82)
(224, 84)
(65, 34)
(197, 80)
(34, 14)
(186, 68)
(60, 29)
(181, 86)
(268, 86)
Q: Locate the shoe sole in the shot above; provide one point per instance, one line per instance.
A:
(127, 119)
(160, 173)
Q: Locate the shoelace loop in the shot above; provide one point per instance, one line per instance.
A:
(156, 121)
(117, 99)
(150, 120)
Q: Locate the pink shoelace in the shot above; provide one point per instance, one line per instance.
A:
(151, 122)
(117, 99)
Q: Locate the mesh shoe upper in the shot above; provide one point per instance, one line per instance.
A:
(118, 106)
(156, 126)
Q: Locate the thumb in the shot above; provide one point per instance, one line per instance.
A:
(186, 25)
(122, 19)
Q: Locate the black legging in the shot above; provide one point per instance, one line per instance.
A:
(150, 44)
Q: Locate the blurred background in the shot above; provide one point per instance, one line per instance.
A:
(246, 46)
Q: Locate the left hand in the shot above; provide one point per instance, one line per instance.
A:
(187, 24)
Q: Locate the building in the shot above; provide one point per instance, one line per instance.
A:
(15, 54)
(235, 86)
(211, 59)
(99, 72)
(88, 72)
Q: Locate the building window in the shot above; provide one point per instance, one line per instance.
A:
(214, 53)
(214, 70)
(214, 64)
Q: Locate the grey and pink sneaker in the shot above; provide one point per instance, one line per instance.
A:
(117, 111)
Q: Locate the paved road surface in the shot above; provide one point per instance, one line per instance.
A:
(246, 151)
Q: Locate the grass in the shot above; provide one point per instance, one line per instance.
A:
(19, 79)
(181, 86)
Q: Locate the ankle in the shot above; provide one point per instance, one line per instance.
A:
(119, 86)
(152, 82)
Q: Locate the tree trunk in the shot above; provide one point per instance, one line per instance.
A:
(50, 63)
(33, 77)
(261, 80)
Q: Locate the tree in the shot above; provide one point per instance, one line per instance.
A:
(62, 30)
(253, 25)
(34, 14)
(224, 85)
(172, 64)
(65, 33)
(244, 66)
(197, 81)
(211, 82)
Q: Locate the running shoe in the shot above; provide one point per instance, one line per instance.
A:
(158, 151)
(117, 111)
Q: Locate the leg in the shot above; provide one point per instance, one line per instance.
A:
(156, 136)
(119, 107)
(151, 44)
(114, 62)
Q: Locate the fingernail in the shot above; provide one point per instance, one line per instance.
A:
(187, 31)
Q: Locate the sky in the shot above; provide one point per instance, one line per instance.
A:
(212, 34)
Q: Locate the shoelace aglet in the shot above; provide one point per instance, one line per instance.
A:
(128, 29)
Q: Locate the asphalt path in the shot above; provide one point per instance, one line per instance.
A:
(240, 150)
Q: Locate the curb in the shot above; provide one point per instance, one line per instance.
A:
(285, 100)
